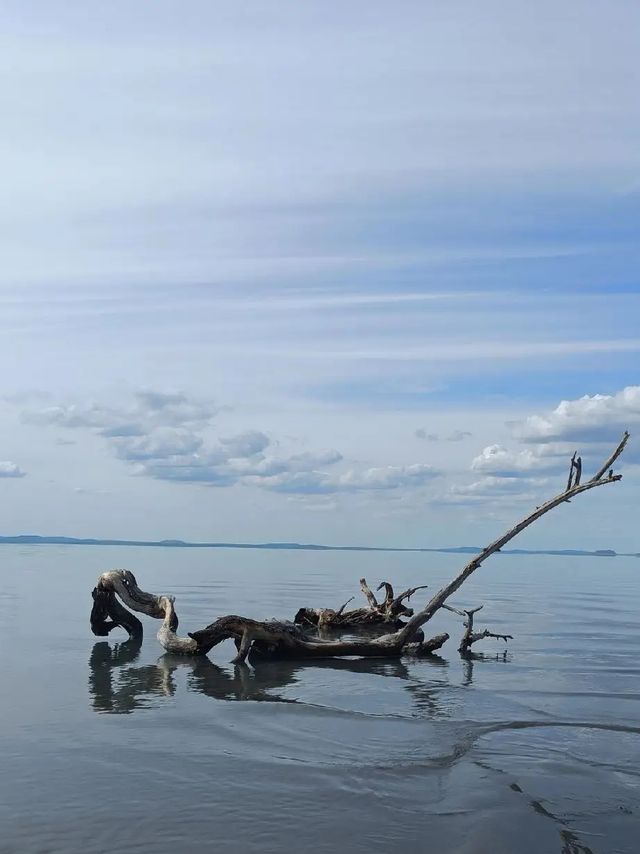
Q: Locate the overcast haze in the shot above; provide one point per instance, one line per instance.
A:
(346, 273)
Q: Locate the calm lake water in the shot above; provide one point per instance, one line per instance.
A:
(105, 747)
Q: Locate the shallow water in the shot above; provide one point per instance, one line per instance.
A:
(107, 746)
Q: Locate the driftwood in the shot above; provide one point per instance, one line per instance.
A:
(386, 614)
(470, 637)
(282, 639)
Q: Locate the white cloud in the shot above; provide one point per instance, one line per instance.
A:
(261, 465)
(596, 418)
(491, 489)
(303, 482)
(72, 416)
(189, 469)
(499, 461)
(173, 408)
(387, 477)
(160, 436)
(148, 409)
(160, 444)
(9, 469)
(246, 444)
(372, 479)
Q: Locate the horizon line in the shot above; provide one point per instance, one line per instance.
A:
(37, 539)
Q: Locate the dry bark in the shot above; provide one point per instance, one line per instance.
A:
(284, 639)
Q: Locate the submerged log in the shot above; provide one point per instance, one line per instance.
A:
(282, 639)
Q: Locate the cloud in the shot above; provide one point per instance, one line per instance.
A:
(493, 489)
(302, 482)
(72, 416)
(9, 469)
(261, 465)
(372, 479)
(499, 461)
(162, 436)
(454, 436)
(246, 444)
(161, 444)
(147, 410)
(459, 436)
(596, 418)
(189, 470)
(388, 477)
(174, 408)
(421, 433)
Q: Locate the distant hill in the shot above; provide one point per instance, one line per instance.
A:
(36, 540)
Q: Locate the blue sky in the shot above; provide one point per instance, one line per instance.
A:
(307, 271)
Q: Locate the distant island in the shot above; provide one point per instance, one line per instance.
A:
(35, 540)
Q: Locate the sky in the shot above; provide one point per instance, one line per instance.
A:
(355, 273)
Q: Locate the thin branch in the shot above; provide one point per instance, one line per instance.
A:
(342, 607)
(571, 467)
(440, 598)
(454, 610)
(409, 593)
(614, 456)
(578, 465)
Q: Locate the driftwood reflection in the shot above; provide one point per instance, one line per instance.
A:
(116, 686)
(469, 659)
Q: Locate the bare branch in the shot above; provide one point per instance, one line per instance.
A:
(571, 467)
(454, 610)
(614, 456)
(409, 593)
(440, 598)
(342, 607)
(578, 465)
(371, 599)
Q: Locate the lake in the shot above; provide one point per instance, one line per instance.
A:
(107, 746)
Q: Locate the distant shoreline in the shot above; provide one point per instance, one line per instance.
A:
(35, 540)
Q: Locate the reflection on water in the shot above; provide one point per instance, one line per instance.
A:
(116, 686)
(469, 659)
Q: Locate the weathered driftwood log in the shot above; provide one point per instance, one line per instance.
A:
(386, 614)
(107, 614)
(284, 639)
(470, 637)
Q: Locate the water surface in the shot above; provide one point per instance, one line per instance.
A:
(111, 746)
